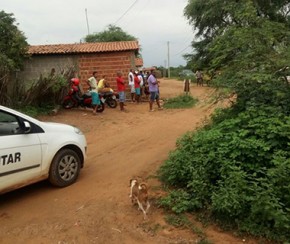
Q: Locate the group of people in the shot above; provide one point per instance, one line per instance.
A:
(149, 85)
(139, 84)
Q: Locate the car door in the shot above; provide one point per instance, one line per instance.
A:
(20, 153)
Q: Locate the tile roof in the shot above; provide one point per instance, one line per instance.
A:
(84, 47)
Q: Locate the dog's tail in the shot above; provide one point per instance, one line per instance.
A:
(133, 182)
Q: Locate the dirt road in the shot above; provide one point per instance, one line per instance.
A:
(97, 208)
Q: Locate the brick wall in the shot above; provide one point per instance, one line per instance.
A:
(107, 63)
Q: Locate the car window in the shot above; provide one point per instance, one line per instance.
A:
(9, 124)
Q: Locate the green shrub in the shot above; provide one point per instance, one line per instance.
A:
(182, 101)
(237, 167)
(179, 201)
(35, 111)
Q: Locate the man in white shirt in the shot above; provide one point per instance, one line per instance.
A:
(131, 84)
(93, 84)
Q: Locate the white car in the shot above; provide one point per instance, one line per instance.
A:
(32, 150)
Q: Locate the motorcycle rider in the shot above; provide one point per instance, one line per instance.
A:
(76, 90)
(104, 86)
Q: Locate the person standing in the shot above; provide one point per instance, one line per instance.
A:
(92, 82)
(142, 83)
(137, 86)
(146, 87)
(199, 77)
(121, 87)
(131, 84)
(154, 91)
(186, 84)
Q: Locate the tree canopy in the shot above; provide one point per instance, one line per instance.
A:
(13, 49)
(249, 37)
(111, 34)
(13, 45)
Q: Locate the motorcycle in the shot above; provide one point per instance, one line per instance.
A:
(85, 101)
(110, 98)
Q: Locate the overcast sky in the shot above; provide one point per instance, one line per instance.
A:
(154, 22)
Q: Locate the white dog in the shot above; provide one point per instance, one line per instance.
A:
(139, 195)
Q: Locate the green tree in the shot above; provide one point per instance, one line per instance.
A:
(111, 34)
(13, 45)
(241, 38)
(13, 49)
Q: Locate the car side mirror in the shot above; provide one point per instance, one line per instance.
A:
(27, 127)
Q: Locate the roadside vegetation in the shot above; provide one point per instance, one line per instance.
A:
(182, 101)
(33, 97)
(236, 169)
(13, 47)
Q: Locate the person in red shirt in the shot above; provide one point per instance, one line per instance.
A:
(137, 86)
(121, 87)
(75, 91)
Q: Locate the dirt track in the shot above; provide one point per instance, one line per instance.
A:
(97, 208)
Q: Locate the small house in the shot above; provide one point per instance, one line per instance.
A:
(104, 57)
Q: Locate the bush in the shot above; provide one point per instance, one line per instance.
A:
(35, 111)
(182, 101)
(238, 167)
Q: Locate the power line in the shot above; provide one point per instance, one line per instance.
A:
(137, 12)
(125, 12)
(183, 50)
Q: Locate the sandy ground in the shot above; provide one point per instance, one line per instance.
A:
(97, 208)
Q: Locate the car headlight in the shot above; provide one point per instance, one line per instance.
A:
(78, 131)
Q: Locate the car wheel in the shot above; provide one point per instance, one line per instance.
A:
(65, 168)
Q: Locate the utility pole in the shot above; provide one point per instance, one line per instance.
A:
(168, 56)
(164, 70)
(87, 22)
